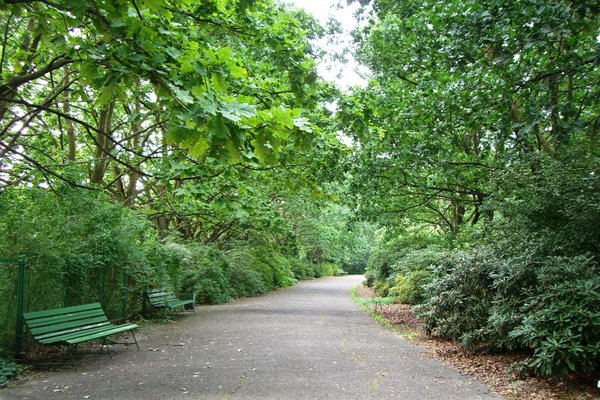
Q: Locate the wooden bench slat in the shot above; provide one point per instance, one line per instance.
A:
(46, 321)
(58, 337)
(65, 326)
(72, 329)
(60, 311)
(179, 303)
(162, 297)
(159, 294)
(114, 330)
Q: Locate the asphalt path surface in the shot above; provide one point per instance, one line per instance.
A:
(309, 341)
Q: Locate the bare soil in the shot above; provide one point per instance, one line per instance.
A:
(493, 369)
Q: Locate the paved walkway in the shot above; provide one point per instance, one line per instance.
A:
(306, 342)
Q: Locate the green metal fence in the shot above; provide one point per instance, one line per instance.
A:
(32, 283)
(19, 264)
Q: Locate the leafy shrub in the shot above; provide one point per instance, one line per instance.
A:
(386, 259)
(245, 276)
(557, 202)
(458, 300)
(381, 288)
(328, 269)
(379, 265)
(412, 271)
(274, 269)
(246, 281)
(207, 273)
(282, 271)
(560, 317)
(418, 260)
(242, 270)
(369, 279)
(8, 370)
(302, 269)
(84, 246)
(547, 305)
(410, 289)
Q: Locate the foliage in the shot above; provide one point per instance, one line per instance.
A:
(245, 270)
(555, 204)
(207, 274)
(245, 274)
(462, 90)
(183, 145)
(81, 249)
(459, 301)
(547, 306)
(382, 288)
(187, 145)
(555, 314)
(194, 75)
(303, 269)
(278, 266)
(326, 232)
(86, 249)
(418, 259)
(329, 269)
(8, 370)
(412, 271)
(410, 288)
(200, 115)
(400, 254)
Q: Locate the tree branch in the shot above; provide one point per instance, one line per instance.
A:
(17, 81)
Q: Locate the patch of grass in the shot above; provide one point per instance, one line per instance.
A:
(369, 301)
(370, 305)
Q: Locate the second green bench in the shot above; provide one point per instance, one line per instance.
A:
(164, 299)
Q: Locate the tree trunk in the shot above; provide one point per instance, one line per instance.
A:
(103, 144)
(71, 144)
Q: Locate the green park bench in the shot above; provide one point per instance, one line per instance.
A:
(162, 299)
(71, 326)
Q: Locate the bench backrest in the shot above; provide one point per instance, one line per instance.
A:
(158, 298)
(48, 323)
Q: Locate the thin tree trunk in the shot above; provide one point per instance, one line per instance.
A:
(70, 129)
(103, 144)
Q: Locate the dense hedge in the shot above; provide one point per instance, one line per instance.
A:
(547, 306)
(528, 281)
(84, 249)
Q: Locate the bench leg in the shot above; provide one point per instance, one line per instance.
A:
(72, 351)
(107, 348)
(135, 340)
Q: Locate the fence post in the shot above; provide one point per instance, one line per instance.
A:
(20, 306)
(20, 289)
(124, 295)
(101, 285)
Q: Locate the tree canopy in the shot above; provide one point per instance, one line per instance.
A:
(464, 93)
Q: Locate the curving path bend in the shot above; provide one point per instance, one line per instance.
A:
(306, 342)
